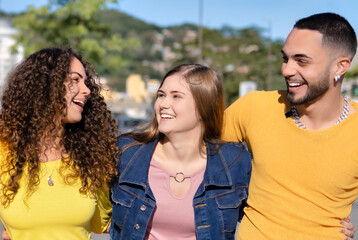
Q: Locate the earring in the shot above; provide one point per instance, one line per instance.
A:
(337, 78)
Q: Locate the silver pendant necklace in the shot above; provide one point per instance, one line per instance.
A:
(179, 177)
(343, 116)
(49, 179)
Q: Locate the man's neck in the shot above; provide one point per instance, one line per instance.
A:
(322, 113)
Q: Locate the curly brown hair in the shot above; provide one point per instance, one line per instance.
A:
(33, 107)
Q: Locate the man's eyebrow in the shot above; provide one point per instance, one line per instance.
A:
(299, 55)
(302, 56)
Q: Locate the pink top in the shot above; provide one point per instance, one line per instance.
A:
(173, 217)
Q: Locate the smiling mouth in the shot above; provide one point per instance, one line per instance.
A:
(295, 85)
(79, 103)
(292, 83)
(166, 116)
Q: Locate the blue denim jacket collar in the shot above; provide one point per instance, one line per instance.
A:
(136, 171)
(215, 169)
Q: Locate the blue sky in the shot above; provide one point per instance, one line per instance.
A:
(280, 14)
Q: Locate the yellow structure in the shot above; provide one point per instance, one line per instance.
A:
(135, 88)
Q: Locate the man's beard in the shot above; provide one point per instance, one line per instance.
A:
(313, 92)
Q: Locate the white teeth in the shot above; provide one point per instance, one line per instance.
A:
(294, 84)
(79, 102)
(166, 116)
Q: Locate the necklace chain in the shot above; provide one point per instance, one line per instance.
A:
(49, 179)
(343, 116)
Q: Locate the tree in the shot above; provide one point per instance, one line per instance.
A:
(238, 54)
(72, 23)
(119, 45)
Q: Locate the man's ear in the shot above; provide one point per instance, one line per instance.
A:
(342, 66)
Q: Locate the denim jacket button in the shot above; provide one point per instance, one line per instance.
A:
(136, 227)
(143, 208)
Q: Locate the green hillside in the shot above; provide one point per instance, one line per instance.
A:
(119, 45)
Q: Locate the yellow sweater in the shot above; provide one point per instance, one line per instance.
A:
(303, 182)
(55, 212)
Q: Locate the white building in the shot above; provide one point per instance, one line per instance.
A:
(8, 60)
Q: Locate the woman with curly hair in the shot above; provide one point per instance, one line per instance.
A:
(58, 149)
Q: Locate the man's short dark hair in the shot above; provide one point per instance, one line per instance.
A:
(336, 31)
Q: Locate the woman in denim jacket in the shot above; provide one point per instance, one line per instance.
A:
(177, 179)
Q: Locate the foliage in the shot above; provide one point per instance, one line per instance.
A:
(72, 23)
(142, 56)
(352, 73)
(119, 45)
(239, 54)
(123, 24)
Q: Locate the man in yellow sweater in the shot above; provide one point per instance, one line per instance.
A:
(303, 140)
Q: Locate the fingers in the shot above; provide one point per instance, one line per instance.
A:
(5, 235)
(107, 230)
(348, 228)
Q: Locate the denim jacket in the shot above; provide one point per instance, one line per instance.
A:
(217, 203)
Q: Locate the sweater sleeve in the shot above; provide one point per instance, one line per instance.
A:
(237, 118)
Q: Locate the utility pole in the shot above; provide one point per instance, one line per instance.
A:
(200, 32)
(269, 58)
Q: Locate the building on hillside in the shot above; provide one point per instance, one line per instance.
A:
(8, 60)
(135, 88)
(135, 106)
(152, 87)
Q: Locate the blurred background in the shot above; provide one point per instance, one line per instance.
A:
(133, 43)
